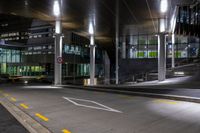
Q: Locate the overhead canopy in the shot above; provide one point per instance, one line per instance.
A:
(136, 16)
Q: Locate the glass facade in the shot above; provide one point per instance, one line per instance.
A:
(185, 47)
(77, 70)
(82, 51)
(10, 55)
(141, 46)
(39, 42)
(146, 46)
(21, 70)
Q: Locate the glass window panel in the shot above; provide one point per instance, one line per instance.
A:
(152, 46)
(4, 55)
(1, 55)
(132, 46)
(13, 56)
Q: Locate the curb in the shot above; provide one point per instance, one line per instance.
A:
(28, 122)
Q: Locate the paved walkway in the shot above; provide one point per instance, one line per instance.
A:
(8, 124)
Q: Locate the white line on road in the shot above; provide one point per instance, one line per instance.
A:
(103, 107)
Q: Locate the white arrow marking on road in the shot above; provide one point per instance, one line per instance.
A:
(106, 108)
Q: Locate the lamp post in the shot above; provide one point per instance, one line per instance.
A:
(58, 43)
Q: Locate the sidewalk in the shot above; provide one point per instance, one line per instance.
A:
(186, 82)
(8, 124)
(182, 88)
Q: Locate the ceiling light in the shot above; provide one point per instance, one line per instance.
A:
(26, 3)
(163, 6)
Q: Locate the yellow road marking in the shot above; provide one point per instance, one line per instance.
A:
(6, 94)
(42, 117)
(66, 131)
(24, 106)
(165, 101)
(13, 99)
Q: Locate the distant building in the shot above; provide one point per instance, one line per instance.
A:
(27, 49)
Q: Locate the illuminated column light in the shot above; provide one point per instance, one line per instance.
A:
(91, 32)
(162, 25)
(92, 39)
(57, 13)
(56, 8)
(58, 27)
(91, 28)
(163, 6)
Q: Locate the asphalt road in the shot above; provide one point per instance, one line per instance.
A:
(81, 111)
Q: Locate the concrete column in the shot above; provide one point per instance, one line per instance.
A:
(124, 47)
(173, 50)
(92, 60)
(117, 44)
(58, 54)
(106, 68)
(58, 46)
(161, 57)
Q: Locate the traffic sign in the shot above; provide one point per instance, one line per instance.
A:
(60, 60)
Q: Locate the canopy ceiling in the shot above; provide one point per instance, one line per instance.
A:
(135, 16)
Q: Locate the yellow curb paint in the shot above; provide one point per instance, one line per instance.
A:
(13, 99)
(24, 106)
(165, 101)
(66, 131)
(42, 117)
